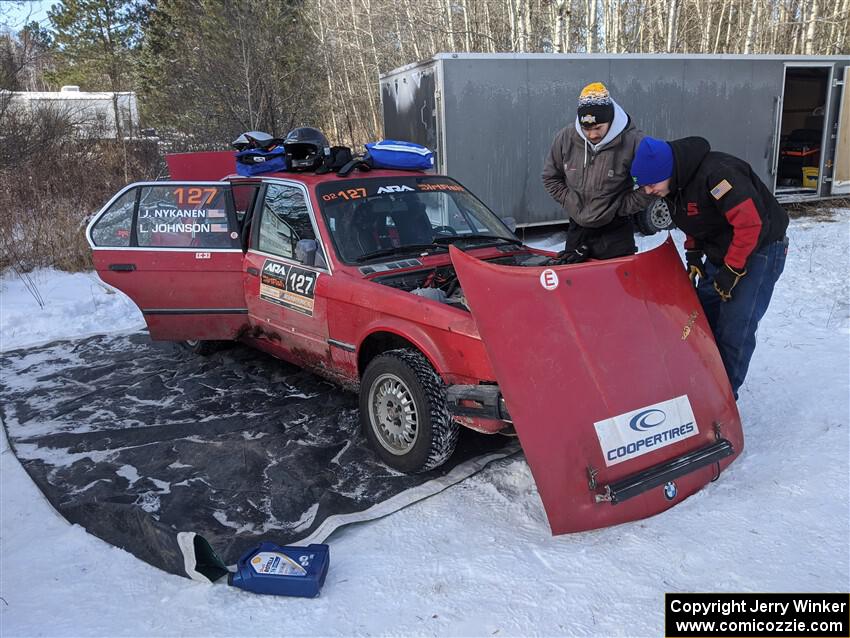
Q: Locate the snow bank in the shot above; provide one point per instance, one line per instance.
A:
(46, 305)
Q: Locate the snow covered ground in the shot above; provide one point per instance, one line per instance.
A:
(478, 559)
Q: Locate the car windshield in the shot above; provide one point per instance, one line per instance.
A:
(380, 217)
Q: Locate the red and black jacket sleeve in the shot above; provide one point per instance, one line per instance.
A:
(738, 201)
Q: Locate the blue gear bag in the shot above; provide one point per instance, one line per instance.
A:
(400, 155)
(255, 161)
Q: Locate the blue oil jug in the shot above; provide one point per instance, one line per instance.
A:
(283, 570)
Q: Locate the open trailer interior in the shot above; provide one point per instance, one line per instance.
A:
(803, 129)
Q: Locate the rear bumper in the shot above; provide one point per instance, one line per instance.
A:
(664, 473)
(477, 401)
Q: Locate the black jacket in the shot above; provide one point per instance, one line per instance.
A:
(720, 203)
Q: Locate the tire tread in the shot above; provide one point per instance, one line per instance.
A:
(444, 430)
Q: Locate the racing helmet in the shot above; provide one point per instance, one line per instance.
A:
(306, 148)
(255, 140)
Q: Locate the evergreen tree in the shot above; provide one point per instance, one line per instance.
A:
(95, 43)
(217, 68)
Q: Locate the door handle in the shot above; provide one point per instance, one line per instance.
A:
(122, 267)
(253, 271)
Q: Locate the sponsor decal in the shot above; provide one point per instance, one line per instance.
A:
(633, 434)
(721, 189)
(549, 279)
(670, 491)
(394, 188)
(202, 255)
(431, 186)
(288, 286)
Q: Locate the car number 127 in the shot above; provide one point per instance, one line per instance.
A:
(301, 282)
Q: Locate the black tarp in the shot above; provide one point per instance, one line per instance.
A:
(138, 441)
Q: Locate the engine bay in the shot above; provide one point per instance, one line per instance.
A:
(441, 284)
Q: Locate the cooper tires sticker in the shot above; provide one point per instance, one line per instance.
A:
(646, 429)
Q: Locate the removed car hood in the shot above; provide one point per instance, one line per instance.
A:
(613, 381)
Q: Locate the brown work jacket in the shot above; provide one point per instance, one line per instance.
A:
(594, 188)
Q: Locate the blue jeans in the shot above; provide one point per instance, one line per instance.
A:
(734, 322)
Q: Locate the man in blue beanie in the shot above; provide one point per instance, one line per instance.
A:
(735, 243)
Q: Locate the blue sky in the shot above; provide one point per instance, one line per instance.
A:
(15, 14)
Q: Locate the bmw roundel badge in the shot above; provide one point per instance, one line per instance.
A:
(670, 491)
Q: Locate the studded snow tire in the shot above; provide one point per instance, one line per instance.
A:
(403, 412)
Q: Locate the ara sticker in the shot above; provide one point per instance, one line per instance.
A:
(549, 279)
(288, 286)
(394, 188)
(721, 189)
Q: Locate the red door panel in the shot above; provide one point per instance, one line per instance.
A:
(182, 294)
(287, 306)
(173, 248)
(608, 368)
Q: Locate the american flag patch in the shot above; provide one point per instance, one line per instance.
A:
(721, 189)
(218, 228)
(215, 212)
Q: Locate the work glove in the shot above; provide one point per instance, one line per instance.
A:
(695, 264)
(726, 279)
(573, 256)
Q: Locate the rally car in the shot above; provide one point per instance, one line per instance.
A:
(405, 287)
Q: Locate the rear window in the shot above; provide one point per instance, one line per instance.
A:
(113, 227)
(184, 216)
(369, 215)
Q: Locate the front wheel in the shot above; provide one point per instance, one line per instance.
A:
(403, 412)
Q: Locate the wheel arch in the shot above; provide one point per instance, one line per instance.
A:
(384, 339)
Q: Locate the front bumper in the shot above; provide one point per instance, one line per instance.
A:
(663, 473)
(477, 401)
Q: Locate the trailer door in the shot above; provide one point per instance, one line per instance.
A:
(841, 176)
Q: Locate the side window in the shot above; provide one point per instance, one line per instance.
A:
(285, 221)
(184, 216)
(113, 228)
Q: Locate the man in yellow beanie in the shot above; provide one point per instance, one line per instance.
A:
(587, 172)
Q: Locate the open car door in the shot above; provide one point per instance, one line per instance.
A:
(174, 249)
(613, 381)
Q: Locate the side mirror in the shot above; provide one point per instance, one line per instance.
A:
(305, 251)
(510, 222)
